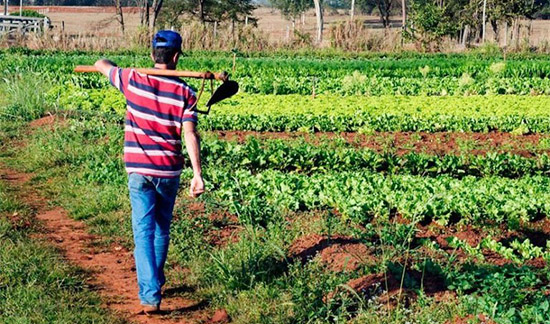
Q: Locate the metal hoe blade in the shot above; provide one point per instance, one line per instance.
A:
(226, 90)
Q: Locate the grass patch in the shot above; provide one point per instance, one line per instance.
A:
(23, 96)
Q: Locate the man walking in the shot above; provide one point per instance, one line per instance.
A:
(159, 110)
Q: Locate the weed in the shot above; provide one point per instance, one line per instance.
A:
(24, 97)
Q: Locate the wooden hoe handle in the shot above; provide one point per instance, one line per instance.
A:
(174, 73)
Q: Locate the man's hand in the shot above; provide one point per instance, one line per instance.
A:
(192, 143)
(104, 66)
(197, 186)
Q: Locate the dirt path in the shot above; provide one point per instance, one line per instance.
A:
(111, 270)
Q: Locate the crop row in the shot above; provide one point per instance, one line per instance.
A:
(388, 113)
(432, 75)
(362, 195)
(298, 156)
(326, 113)
(413, 67)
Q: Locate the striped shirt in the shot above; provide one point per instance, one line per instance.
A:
(156, 109)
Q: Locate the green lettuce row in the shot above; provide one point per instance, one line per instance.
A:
(387, 113)
(299, 156)
(467, 106)
(362, 195)
(333, 67)
(519, 114)
(361, 83)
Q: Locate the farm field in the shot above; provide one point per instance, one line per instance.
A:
(397, 188)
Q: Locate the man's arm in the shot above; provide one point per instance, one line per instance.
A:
(192, 143)
(104, 66)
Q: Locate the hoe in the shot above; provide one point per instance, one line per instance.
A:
(226, 90)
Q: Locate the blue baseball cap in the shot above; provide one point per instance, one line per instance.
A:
(168, 39)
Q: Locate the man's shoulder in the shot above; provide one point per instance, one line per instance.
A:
(175, 81)
(153, 83)
(183, 84)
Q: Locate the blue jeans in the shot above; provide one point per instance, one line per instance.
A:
(152, 202)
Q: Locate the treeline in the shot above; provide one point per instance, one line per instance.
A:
(428, 22)
(468, 20)
(425, 22)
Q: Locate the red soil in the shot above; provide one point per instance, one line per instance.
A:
(535, 232)
(541, 226)
(367, 283)
(384, 287)
(471, 319)
(225, 226)
(421, 142)
(401, 143)
(226, 229)
(338, 253)
(47, 122)
(220, 316)
(472, 236)
(225, 235)
(307, 247)
(346, 257)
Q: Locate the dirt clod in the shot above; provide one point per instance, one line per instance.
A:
(346, 257)
(220, 316)
(382, 286)
(471, 319)
(47, 122)
(338, 253)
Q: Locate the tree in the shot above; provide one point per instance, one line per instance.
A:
(509, 11)
(404, 13)
(319, 14)
(430, 23)
(157, 6)
(366, 6)
(208, 11)
(385, 8)
(202, 10)
(119, 14)
(291, 9)
(144, 7)
(496, 14)
(235, 10)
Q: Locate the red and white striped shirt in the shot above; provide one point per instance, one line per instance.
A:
(156, 109)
